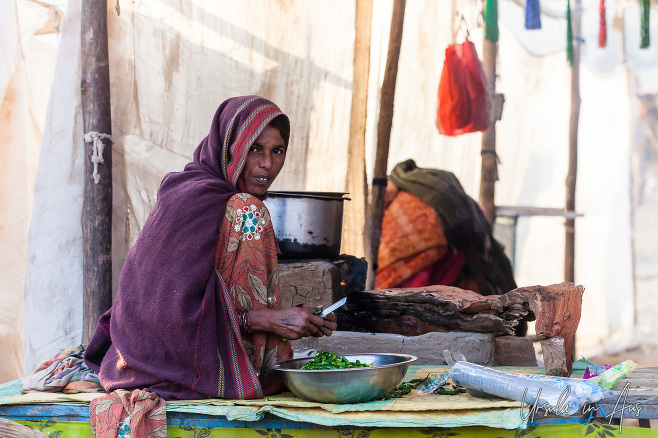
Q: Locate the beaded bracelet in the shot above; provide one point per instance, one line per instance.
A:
(243, 321)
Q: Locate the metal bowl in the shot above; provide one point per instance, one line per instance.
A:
(352, 385)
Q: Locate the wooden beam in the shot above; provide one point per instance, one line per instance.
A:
(519, 210)
(97, 201)
(570, 224)
(355, 210)
(489, 166)
(555, 358)
(384, 124)
(558, 309)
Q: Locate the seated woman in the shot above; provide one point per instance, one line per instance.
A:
(433, 233)
(198, 312)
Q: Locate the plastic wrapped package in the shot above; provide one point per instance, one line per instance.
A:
(560, 395)
(435, 383)
(609, 377)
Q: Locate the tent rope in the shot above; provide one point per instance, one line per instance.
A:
(96, 138)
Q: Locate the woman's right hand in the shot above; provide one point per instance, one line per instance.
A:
(292, 322)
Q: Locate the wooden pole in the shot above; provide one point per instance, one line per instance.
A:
(384, 124)
(97, 201)
(570, 224)
(355, 210)
(489, 165)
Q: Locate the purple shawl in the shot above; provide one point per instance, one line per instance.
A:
(172, 327)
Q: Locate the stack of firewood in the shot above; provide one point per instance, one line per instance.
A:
(555, 308)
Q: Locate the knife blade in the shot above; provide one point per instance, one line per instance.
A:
(333, 307)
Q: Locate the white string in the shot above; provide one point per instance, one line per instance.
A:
(57, 18)
(97, 151)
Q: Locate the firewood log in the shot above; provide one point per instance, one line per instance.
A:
(417, 311)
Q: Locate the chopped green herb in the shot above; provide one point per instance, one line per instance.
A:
(404, 388)
(449, 389)
(325, 360)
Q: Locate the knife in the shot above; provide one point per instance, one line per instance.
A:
(333, 307)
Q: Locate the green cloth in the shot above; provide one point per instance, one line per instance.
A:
(581, 365)
(491, 31)
(11, 388)
(570, 55)
(463, 222)
(645, 34)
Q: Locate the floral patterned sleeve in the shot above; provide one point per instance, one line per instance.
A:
(246, 259)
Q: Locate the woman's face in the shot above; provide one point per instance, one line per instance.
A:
(264, 162)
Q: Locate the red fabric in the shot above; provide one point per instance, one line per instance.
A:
(413, 249)
(412, 239)
(462, 99)
(65, 372)
(444, 272)
(454, 109)
(603, 34)
(147, 412)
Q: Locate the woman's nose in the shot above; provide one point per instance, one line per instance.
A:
(266, 161)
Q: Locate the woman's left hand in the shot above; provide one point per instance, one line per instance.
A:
(329, 325)
(292, 322)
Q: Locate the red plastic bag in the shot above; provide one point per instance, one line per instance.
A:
(462, 105)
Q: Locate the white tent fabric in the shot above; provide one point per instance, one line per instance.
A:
(173, 62)
(53, 283)
(25, 74)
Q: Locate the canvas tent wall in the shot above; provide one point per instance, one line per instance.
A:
(172, 63)
(26, 69)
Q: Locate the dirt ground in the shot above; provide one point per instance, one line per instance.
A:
(644, 356)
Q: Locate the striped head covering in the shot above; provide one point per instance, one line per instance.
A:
(237, 124)
(167, 329)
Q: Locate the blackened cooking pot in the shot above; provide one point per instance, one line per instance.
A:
(308, 225)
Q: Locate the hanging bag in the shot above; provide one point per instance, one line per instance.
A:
(462, 98)
(454, 109)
